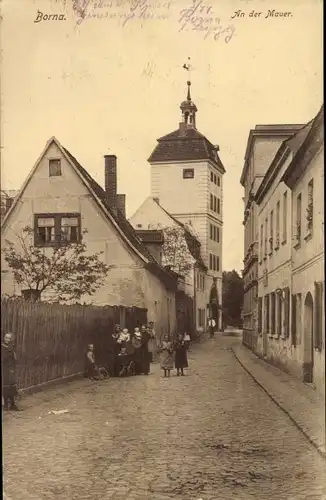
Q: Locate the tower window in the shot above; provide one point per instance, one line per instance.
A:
(54, 168)
(188, 173)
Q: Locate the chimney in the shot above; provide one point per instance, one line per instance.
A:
(110, 177)
(121, 203)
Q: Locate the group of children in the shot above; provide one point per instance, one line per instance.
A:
(174, 353)
(133, 353)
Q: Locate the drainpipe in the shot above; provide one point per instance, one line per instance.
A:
(195, 300)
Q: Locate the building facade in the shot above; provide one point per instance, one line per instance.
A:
(290, 302)
(305, 179)
(59, 199)
(262, 145)
(187, 179)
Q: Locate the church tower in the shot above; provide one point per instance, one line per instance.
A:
(187, 179)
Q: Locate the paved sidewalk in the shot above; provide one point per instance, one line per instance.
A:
(299, 401)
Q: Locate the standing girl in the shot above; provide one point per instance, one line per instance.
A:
(181, 359)
(166, 355)
(137, 354)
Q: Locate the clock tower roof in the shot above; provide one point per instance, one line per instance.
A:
(186, 143)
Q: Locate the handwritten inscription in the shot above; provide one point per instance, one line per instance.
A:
(121, 10)
(270, 13)
(200, 17)
(49, 17)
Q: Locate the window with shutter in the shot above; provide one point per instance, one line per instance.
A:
(273, 313)
(279, 315)
(318, 327)
(260, 314)
(267, 321)
(287, 312)
(294, 320)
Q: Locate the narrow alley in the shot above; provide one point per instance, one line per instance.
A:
(211, 435)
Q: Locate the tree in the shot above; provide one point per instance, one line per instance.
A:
(175, 251)
(232, 297)
(66, 270)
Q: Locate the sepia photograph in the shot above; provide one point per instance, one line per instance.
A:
(162, 250)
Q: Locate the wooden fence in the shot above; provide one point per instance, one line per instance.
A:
(51, 339)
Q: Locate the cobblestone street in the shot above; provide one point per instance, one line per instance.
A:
(211, 435)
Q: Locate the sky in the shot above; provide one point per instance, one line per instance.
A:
(113, 84)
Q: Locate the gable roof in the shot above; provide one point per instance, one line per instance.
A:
(192, 241)
(185, 145)
(307, 146)
(115, 217)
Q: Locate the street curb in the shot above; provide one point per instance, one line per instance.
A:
(298, 426)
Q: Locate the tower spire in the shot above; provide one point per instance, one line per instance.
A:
(188, 107)
(188, 93)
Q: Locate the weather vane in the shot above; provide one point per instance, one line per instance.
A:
(186, 66)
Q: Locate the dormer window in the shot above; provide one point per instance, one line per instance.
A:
(54, 168)
(188, 173)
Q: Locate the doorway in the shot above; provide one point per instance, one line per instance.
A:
(308, 338)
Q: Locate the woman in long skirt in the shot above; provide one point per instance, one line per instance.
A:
(166, 355)
(9, 381)
(137, 353)
(145, 356)
(181, 358)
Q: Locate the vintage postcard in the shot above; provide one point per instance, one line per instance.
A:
(162, 250)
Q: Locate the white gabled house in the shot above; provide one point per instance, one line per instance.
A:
(59, 196)
(151, 215)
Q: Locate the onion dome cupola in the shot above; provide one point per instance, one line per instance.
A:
(189, 110)
(186, 143)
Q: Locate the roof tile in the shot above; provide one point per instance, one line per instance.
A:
(185, 145)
